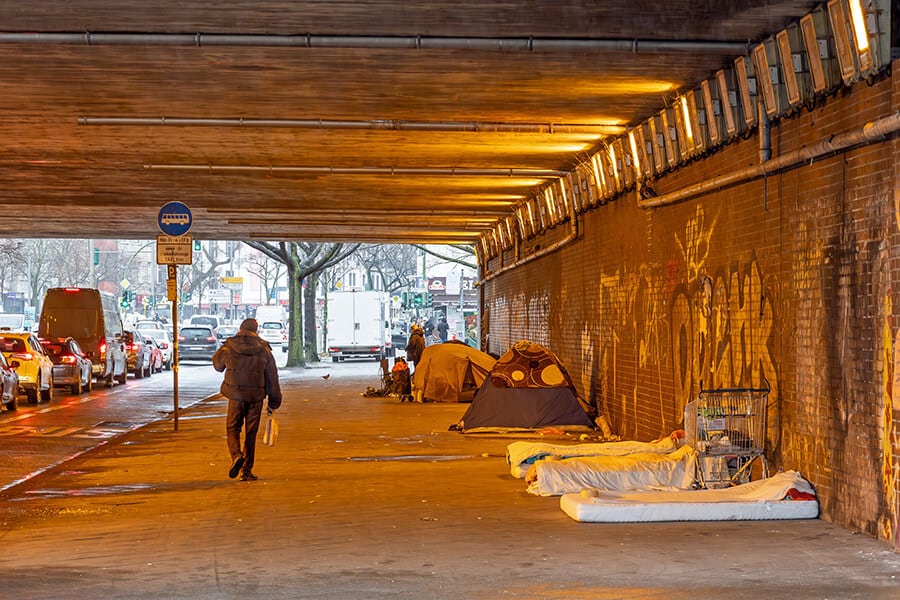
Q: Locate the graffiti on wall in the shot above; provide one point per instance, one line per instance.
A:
(722, 332)
(890, 439)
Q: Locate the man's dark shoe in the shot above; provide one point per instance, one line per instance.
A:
(249, 477)
(236, 467)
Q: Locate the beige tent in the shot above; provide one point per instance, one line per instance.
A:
(451, 372)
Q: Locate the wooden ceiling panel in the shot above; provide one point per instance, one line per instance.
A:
(62, 174)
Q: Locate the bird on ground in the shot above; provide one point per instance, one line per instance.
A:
(326, 376)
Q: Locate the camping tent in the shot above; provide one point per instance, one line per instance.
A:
(528, 388)
(447, 371)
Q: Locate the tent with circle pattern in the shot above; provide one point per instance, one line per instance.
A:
(527, 388)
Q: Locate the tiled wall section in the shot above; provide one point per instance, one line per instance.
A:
(790, 280)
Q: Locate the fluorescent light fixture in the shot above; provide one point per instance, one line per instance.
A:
(645, 149)
(670, 136)
(861, 35)
(522, 220)
(709, 107)
(764, 79)
(748, 96)
(696, 126)
(686, 122)
(599, 176)
(813, 57)
(611, 152)
(788, 73)
(532, 225)
(635, 157)
(565, 197)
(725, 104)
(626, 175)
(839, 23)
(658, 142)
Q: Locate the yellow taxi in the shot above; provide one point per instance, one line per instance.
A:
(35, 367)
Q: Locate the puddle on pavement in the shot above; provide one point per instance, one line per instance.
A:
(196, 417)
(91, 491)
(411, 457)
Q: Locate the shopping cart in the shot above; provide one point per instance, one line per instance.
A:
(727, 428)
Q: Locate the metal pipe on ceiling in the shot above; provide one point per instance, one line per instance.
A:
(870, 132)
(441, 171)
(379, 124)
(397, 42)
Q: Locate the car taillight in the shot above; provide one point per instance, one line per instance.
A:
(164, 345)
(180, 338)
(211, 338)
(132, 347)
(72, 290)
(102, 347)
(67, 359)
(374, 348)
(23, 355)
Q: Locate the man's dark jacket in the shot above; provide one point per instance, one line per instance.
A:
(250, 370)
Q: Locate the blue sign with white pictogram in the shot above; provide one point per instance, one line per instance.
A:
(175, 218)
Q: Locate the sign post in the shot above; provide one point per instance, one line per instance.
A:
(173, 248)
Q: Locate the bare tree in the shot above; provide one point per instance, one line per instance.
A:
(462, 254)
(267, 270)
(395, 264)
(202, 275)
(304, 261)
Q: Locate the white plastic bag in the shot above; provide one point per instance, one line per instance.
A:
(270, 433)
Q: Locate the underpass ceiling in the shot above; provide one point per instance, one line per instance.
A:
(357, 137)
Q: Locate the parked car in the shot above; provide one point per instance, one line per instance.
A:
(92, 318)
(226, 331)
(197, 341)
(156, 355)
(9, 383)
(163, 341)
(35, 368)
(275, 333)
(136, 354)
(70, 365)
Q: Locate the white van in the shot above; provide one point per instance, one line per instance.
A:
(92, 318)
(213, 321)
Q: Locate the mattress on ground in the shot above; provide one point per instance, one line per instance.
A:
(783, 496)
(642, 471)
(521, 455)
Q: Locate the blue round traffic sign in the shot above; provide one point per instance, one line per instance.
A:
(175, 218)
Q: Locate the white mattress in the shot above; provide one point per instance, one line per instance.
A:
(521, 455)
(758, 500)
(642, 471)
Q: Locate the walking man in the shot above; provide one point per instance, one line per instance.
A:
(250, 376)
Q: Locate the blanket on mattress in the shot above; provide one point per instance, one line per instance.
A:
(641, 471)
(785, 495)
(521, 455)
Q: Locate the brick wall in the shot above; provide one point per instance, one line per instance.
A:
(788, 282)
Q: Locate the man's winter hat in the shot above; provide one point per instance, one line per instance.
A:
(249, 325)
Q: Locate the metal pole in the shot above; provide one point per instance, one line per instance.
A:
(173, 274)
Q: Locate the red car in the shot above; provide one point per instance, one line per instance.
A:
(156, 355)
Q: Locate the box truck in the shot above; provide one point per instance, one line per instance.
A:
(357, 321)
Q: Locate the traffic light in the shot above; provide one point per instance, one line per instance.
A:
(95, 256)
(404, 298)
(429, 299)
(196, 245)
(418, 299)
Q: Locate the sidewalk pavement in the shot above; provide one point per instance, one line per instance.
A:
(370, 498)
